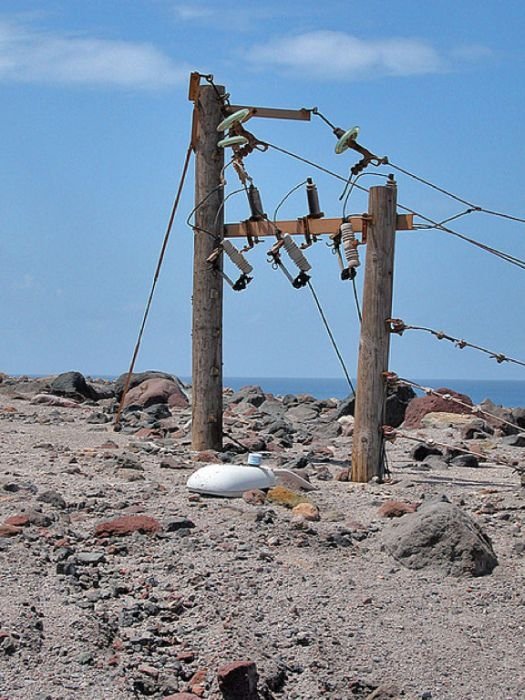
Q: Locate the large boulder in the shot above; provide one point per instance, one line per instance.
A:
(419, 407)
(137, 378)
(73, 385)
(252, 395)
(397, 401)
(442, 536)
(156, 391)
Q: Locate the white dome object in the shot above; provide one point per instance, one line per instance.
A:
(230, 480)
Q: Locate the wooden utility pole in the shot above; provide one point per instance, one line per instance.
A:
(374, 343)
(207, 283)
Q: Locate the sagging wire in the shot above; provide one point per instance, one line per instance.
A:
(283, 200)
(116, 422)
(494, 251)
(472, 207)
(397, 325)
(331, 336)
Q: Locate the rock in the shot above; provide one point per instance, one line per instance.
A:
(73, 385)
(302, 413)
(398, 399)
(347, 425)
(308, 511)
(50, 400)
(435, 462)
(174, 524)
(98, 418)
(421, 406)
(395, 509)
(181, 696)
(238, 681)
(441, 420)
(53, 498)
(343, 475)
(252, 395)
(9, 530)
(137, 378)
(17, 520)
(442, 536)
(506, 414)
(254, 497)
(126, 525)
(421, 451)
(156, 390)
(514, 440)
(285, 497)
(465, 460)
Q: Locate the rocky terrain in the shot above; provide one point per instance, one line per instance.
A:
(117, 582)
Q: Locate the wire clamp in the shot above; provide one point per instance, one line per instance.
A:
(391, 378)
(389, 433)
(396, 325)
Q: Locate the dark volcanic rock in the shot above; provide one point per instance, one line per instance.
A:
(418, 408)
(253, 395)
(74, 385)
(442, 536)
(397, 402)
(238, 681)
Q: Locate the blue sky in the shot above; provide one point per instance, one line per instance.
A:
(95, 122)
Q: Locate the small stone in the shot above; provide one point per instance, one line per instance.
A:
(175, 524)
(53, 498)
(85, 658)
(343, 475)
(9, 530)
(128, 524)
(238, 681)
(254, 497)
(308, 511)
(395, 509)
(17, 520)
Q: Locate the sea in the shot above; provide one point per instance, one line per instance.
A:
(509, 393)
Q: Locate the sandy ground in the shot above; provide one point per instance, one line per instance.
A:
(322, 608)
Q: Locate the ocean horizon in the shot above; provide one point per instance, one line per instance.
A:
(509, 393)
(504, 392)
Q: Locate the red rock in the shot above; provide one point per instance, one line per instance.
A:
(156, 390)
(113, 660)
(181, 696)
(9, 530)
(395, 509)
(186, 656)
(197, 681)
(17, 520)
(308, 511)
(148, 433)
(419, 407)
(238, 680)
(343, 475)
(109, 445)
(254, 497)
(205, 456)
(127, 524)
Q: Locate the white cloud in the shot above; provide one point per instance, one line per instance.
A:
(31, 56)
(194, 12)
(337, 55)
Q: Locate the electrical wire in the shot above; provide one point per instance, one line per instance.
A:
(472, 207)
(460, 343)
(331, 336)
(283, 200)
(169, 227)
(494, 251)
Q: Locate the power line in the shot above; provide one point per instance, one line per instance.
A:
(398, 326)
(331, 336)
(154, 284)
(472, 207)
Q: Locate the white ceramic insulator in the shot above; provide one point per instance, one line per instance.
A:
(295, 253)
(349, 245)
(237, 257)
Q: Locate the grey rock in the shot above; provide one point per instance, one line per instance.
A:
(442, 536)
(253, 395)
(53, 498)
(465, 460)
(514, 440)
(421, 451)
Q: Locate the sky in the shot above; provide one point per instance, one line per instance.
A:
(95, 122)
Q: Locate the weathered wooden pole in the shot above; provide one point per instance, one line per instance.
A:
(374, 343)
(207, 283)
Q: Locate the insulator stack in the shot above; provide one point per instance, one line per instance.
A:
(256, 207)
(349, 245)
(313, 200)
(237, 257)
(295, 253)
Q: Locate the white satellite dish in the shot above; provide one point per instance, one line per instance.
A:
(232, 480)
